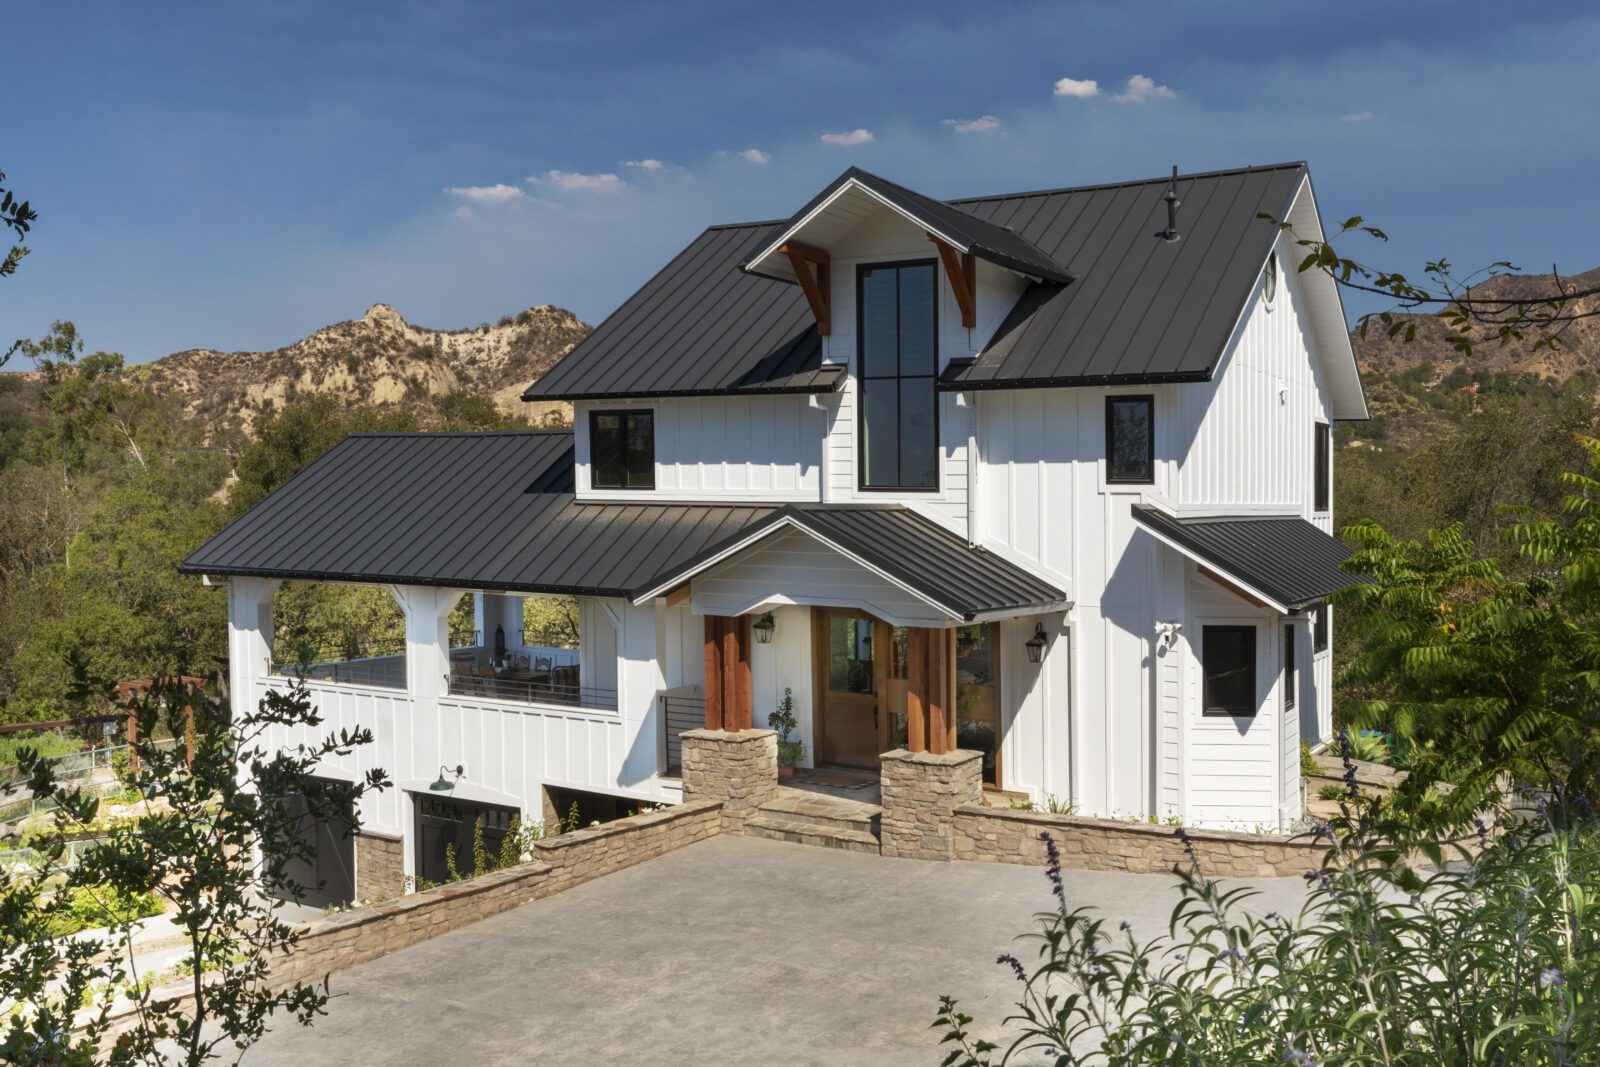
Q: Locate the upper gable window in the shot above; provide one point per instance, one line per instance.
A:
(1269, 279)
(1321, 475)
(1130, 440)
(622, 450)
(898, 330)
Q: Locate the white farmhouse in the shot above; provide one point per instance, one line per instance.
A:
(1047, 475)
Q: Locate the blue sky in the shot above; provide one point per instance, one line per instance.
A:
(237, 175)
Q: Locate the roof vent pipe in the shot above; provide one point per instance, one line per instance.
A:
(1170, 234)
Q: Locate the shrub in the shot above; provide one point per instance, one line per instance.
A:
(1494, 958)
(90, 909)
(1367, 745)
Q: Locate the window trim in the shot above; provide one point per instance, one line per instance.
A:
(1269, 288)
(861, 379)
(1150, 444)
(1206, 710)
(1291, 674)
(624, 414)
(1322, 467)
(1320, 630)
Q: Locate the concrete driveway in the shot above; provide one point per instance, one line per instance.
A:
(734, 950)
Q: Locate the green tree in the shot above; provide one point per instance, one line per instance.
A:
(288, 440)
(18, 217)
(218, 829)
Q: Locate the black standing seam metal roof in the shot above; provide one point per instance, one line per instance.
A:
(1284, 557)
(911, 549)
(983, 238)
(1135, 310)
(497, 511)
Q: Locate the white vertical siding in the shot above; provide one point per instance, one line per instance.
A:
(1035, 729)
(785, 663)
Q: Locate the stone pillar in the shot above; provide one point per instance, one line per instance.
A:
(738, 768)
(921, 791)
(380, 866)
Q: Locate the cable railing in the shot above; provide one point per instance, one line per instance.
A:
(555, 687)
(379, 662)
(679, 710)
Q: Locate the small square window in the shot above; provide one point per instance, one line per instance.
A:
(1228, 661)
(1319, 630)
(622, 450)
(1130, 440)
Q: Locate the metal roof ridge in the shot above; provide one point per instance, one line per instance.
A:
(524, 432)
(1223, 173)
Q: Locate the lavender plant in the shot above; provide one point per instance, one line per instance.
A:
(1481, 952)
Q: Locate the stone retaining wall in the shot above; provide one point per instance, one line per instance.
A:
(380, 865)
(921, 793)
(998, 836)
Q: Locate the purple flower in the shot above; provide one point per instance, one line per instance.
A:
(1319, 876)
(1123, 926)
(1349, 764)
(1551, 978)
(1052, 869)
(1297, 1058)
(1016, 966)
(1188, 845)
(1483, 834)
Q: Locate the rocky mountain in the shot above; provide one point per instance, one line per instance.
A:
(1578, 352)
(378, 359)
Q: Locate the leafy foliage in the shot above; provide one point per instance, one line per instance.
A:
(213, 831)
(1492, 959)
(18, 217)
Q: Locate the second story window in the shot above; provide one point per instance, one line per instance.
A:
(897, 326)
(1320, 476)
(622, 450)
(1130, 440)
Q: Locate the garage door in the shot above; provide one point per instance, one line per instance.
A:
(328, 877)
(446, 823)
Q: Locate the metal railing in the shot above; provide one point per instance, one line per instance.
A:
(677, 710)
(533, 691)
(387, 672)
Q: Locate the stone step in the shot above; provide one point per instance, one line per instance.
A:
(803, 831)
(821, 809)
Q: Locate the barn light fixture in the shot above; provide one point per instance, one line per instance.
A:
(443, 786)
(1035, 644)
(763, 628)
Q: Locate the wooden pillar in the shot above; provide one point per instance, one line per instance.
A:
(727, 667)
(931, 691)
(916, 689)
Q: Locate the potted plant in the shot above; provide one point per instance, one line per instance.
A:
(790, 752)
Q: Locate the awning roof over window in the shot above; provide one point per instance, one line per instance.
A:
(1283, 561)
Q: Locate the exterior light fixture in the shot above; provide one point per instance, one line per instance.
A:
(1035, 644)
(444, 786)
(763, 628)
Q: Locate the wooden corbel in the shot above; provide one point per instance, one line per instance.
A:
(960, 268)
(801, 258)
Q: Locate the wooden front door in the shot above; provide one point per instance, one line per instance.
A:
(849, 679)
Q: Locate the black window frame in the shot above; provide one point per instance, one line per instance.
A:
(1319, 630)
(1291, 677)
(1322, 475)
(626, 415)
(1149, 400)
(1207, 649)
(861, 379)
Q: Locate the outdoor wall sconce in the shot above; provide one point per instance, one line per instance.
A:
(1035, 644)
(763, 628)
(443, 786)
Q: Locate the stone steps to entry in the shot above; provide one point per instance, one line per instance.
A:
(811, 818)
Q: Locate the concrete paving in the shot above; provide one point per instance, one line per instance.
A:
(734, 950)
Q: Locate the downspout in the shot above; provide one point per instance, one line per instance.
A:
(970, 400)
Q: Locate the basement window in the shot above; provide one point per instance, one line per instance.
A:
(622, 450)
(1130, 440)
(1228, 661)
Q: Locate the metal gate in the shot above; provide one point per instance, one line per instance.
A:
(445, 823)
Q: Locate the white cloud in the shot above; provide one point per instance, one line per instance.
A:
(1083, 88)
(755, 155)
(572, 180)
(1358, 116)
(1142, 90)
(463, 212)
(978, 125)
(849, 137)
(485, 194)
(644, 164)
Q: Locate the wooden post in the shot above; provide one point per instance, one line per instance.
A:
(727, 665)
(916, 690)
(133, 736)
(713, 681)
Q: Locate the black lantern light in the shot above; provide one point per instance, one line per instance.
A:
(1036, 643)
(441, 785)
(763, 628)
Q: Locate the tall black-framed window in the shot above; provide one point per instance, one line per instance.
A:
(1323, 470)
(1130, 440)
(897, 330)
(1228, 662)
(622, 450)
(1319, 630)
(1289, 676)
